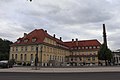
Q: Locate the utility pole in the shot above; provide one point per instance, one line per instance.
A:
(41, 56)
(36, 58)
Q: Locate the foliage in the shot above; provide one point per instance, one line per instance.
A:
(4, 49)
(105, 54)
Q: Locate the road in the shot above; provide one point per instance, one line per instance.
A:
(60, 76)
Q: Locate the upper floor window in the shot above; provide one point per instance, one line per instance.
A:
(86, 47)
(15, 56)
(32, 48)
(18, 41)
(26, 40)
(98, 47)
(25, 48)
(82, 47)
(25, 57)
(21, 48)
(21, 57)
(12, 56)
(34, 39)
(79, 48)
(94, 47)
(16, 48)
(90, 47)
(12, 48)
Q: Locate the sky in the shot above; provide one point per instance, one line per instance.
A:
(69, 19)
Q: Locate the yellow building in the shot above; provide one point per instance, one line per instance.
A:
(83, 52)
(52, 51)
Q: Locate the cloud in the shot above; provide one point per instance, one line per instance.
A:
(69, 19)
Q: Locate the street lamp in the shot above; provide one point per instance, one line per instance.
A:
(36, 58)
(41, 56)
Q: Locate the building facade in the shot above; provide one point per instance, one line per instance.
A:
(52, 51)
(116, 57)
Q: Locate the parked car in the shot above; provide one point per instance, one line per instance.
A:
(5, 64)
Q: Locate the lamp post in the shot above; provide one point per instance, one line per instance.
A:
(41, 56)
(36, 58)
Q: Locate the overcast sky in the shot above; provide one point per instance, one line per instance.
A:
(68, 19)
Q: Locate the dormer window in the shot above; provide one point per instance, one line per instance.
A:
(98, 47)
(34, 39)
(18, 41)
(26, 40)
(94, 47)
(90, 47)
(86, 47)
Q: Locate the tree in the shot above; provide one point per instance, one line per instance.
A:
(105, 54)
(4, 49)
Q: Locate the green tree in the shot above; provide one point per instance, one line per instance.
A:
(4, 49)
(105, 54)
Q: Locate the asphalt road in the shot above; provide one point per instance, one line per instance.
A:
(60, 76)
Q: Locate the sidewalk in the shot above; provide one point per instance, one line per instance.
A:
(65, 70)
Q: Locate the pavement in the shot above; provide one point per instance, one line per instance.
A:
(62, 70)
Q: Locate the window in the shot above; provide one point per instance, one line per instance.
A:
(80, 58)
(16, 48)
(82, 47)
(88, 58)
(79, 48)
(50, 57)
(15, 56)
(75, 58)
(13, 49)
(90, 47)
(94, 47)
(12, 56)
(86, 47)
(93, 58)
(25, 57)
(18, 41)
(21, 57)
(58, 58)
(31, 57)
(26, 40)
(75, 47)
(32, 48)
(98, 47)
(34, 39)
(71, 59)
(21, 48)
(25, 48)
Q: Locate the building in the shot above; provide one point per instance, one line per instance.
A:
(52, 51)
(83, 52)
(116, 57)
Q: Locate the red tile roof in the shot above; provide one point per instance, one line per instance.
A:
(40, 35)
(83, 43)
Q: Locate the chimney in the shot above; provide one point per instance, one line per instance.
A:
(76, 41)
(54, 35)
(25, 34)
(46, 31)
(72, 40)
(104, 35)
(60, 38)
